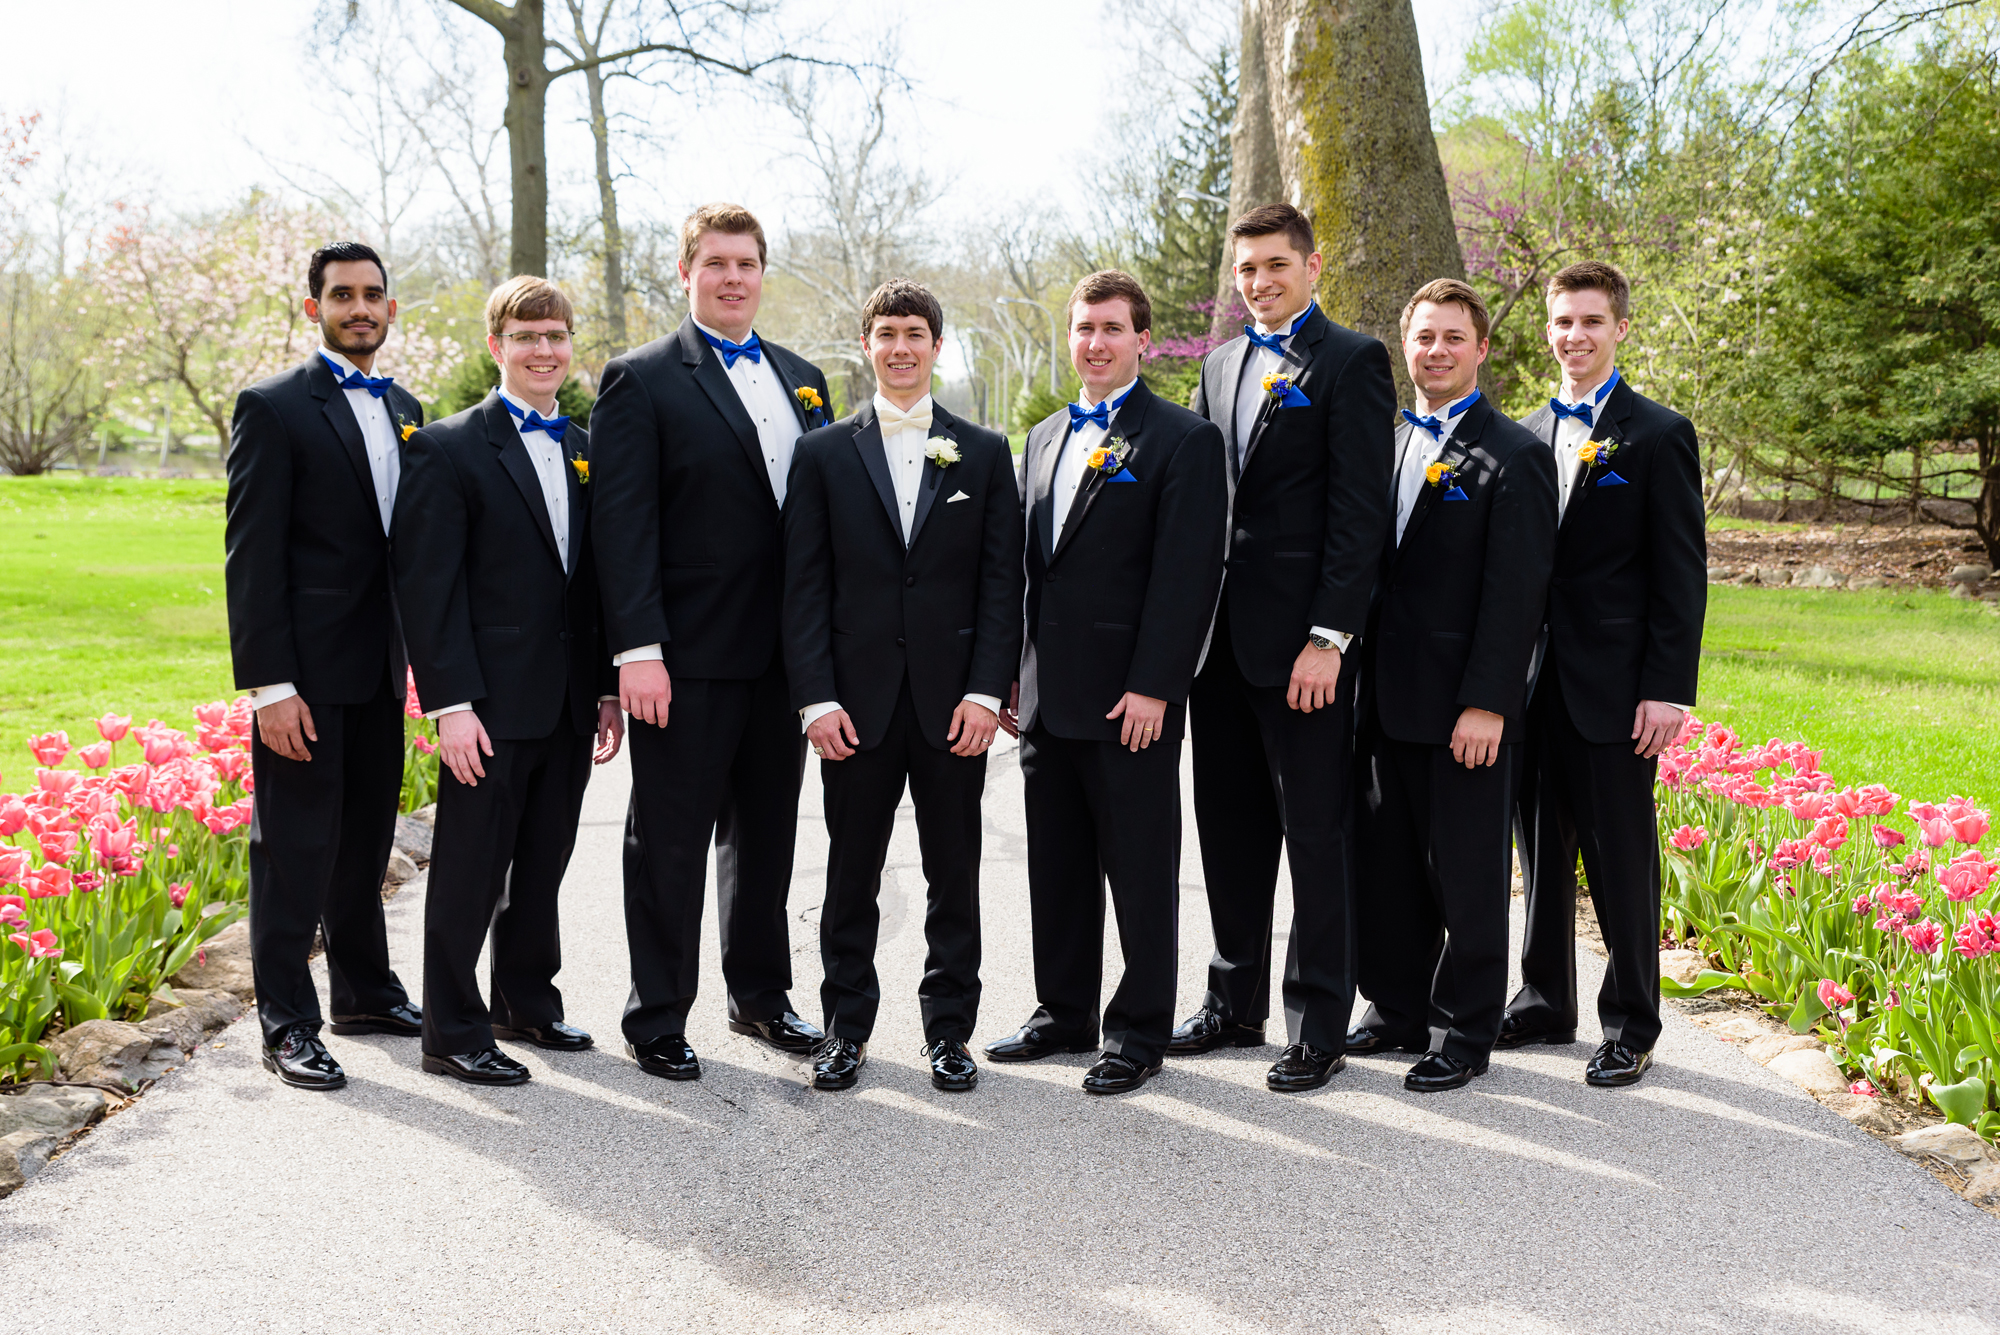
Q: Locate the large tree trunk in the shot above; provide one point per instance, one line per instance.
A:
(521, 42)
(1254, 175)
(1353, 127)
(607, 209)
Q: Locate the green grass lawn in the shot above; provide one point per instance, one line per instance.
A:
(112, 598)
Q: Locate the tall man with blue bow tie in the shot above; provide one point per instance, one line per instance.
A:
(498, 588)
(1305, 408)
(692, 440)
(1620, 655)
(1127, 497)
(315, 455)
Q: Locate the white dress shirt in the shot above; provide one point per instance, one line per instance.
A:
(385, 469)
(1073, 462)
(905, 437)
(1419, 453)
(1572, 435)
(764, 396)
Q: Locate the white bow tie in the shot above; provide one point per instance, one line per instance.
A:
(894, 419)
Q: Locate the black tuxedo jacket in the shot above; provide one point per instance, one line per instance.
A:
(689, 538)
(1630, 588)
(307, 564)
(1313, 500)
(1460, 603)
(490, 614)
(1124, 600)
(862, 610)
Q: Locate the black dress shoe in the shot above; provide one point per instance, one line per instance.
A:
(837, 1062)
(302, 1061)
(668, 1057)
(1115, 1073)
(555, 1035)
(404, 1021)
(488, 1066)
(1362, 1038)
(1206, 1030)
(786, 1032)
(1028, 1044)
(1438, 1071)
(1614, 1064)
(1516, 1032)
(1303, 1067)
(952, 1067)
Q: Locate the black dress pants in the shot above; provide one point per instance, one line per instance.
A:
(503, 845)
(1597, 799)
(862, 793)
(727, 767)
(1435, 859)
(1266, 777)
(1098, 811)
(320, 834)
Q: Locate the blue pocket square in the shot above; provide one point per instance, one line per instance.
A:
(1611, 480)
(1457, 494)
(1122, 475)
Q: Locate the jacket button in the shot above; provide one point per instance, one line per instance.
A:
(899, 642)
(909, 581)
(1242, 535)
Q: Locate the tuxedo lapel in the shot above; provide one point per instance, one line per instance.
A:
(578, 518)
(713, 378)
(1236, 353)
(1610, 426)
(506, 438)
(1129, 422)
(933, 479)
(1299, 353)
(875, 458)
(1042, 485)
(340, 416)
(782, 368)
(1457, 450)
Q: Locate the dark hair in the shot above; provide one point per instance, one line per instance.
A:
(526, 297)
(1106, 284)
(1595, 276)
(731, 219)
(1271, 219)
(900, 296)
(341, 252)
(1444, 291)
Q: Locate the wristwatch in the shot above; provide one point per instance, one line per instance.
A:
(1320, 641)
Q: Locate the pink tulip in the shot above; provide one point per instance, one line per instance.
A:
(212, 713)
(1863, 903)
(1966, 876)
(159, 748)
(1863, 1089)
(97, 755)
(57, 782)
(1809, 806)
(177, 893)
(1936, 832)
(1832, 995)
(1925, 811)
(13, 816)
(13, 866)
(1886, 837)
(1970, 827)
(1689, 837)
(1829, 831)
(1875, 800)
(1924, 937)
(230, 765)
(48, 883)
(12, 916)
(113, 727)
(1915, 865)
(40, 946)
(58, 846)
(1979, 937)
(1791, 853)
(425, 744)
(50, 747)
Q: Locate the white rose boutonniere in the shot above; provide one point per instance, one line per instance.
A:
(941, 450)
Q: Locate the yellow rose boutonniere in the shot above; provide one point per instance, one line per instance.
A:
(1596, 451)
(809, 396)
(405, 428)
(582, 467)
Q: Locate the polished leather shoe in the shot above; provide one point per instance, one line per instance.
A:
(555, 1035)
(837, 1062)
(1302, 1067)
(1614, 1064)
(1439, 1072)
(1361, 1038)
(1516, 1032)
(1028, 1044)
(488, 1066)
(302, 1061)
(952, 1067)
(1206, 1030)
(786, 1032)
(1115, 1073)
(404, 1021)
(668, 1057)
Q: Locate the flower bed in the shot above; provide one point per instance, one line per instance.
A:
(1864, 932)
(113, 875)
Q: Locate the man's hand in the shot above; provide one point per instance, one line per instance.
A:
(644, 691)
(1144, 717)
(972, 727)
(1656, 724)
(287, 726)
(461, 738)
(610, 731)
(1315, 673)
(833, 736)
(1475, 741)
(1010, 717)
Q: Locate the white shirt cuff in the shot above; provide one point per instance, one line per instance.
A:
(270, 695)
(645, 653)
(811, 714)
(607, 699)
(987, 702)
(1341, 638)
(449, 709)
(1683, 708)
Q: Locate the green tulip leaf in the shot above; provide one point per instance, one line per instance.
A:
(1708, 980)
(1962, 1102)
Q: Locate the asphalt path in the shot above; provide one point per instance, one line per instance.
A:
(1713, 1197)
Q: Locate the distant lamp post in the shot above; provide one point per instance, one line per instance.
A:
(1054, 383)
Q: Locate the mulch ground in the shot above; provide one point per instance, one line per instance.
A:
(1921, 554)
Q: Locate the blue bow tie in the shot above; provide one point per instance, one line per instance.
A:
(378, 386)
(1100, 416)
(1435, 425)
(1583, 411)
(530, 420)
(1275, 342)
(749, 347)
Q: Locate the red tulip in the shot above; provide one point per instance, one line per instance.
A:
(1863, 1089)
(50, 747)
(113, 727)
(177, 893)
(1832, 995)
(1886, 837)
(1863, 903)
(1689, 837)
(40, 946)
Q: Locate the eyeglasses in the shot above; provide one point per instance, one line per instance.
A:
(557, 338)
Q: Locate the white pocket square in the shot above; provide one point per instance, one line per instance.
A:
(956, 496)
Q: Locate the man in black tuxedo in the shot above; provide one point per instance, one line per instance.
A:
(1127, 499)
(902, 636)
(1444, 688)
(314, 459)
(499, 594)
(1272, 712)
(1621, 653)
(693, 437)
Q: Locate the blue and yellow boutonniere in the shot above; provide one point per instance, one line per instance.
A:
(1287, 395)
(1442, 474)
(582, 467)
(1109, 459)
(1595, 452)
(814, 405)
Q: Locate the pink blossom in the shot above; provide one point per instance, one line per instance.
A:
(1925, 811)
(1832, 995)
(411, 708)
(97, 755)
(1689, 837)
(50, 747)
(41, 945)
(1915, 865)
(13, 816)
(177, 893)
(58, 846)
(1968, 823)
(48, 882)
(425, 744)
(1924, 937)
(1935, 832)
(212, 714)
(1809, 806)
(1829, 831)
(113, 727)
(1791, 853)
(1874, 800)
(1886, 837)
(1863, 1089)
(12, 915)
(1966, 876)
(159, 747)
(1863, 903)
(1979, 937)
(57, 782)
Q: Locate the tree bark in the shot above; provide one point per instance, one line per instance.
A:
(1254, 175)
(527, 138)
(607, 211)
(1352, 122)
